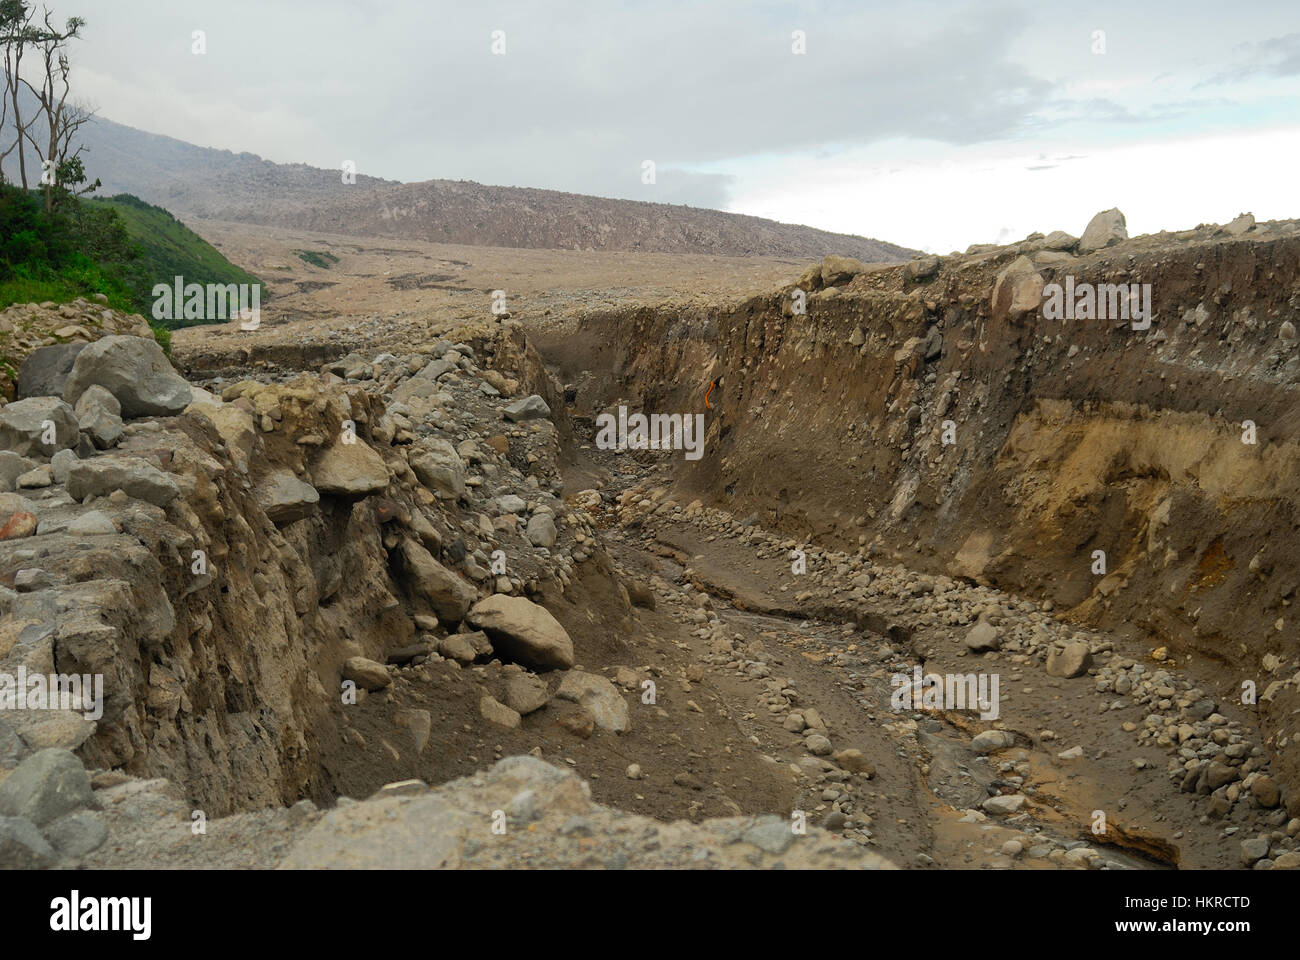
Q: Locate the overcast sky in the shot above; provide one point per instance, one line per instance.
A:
(931, 124)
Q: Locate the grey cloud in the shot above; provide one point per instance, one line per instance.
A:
(1275, 57)
(578, 93)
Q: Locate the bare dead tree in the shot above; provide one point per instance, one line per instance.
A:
(62, 119)
(16, 32)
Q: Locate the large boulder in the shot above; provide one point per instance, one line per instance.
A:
(439, 467)
(525, 692)
(134, 476)
(921, 268)
(45, 786)
(349, 470)
(1061, 241)
(366, 673)
(45, 371)
(1018, 291)
(448, 595)
(1104, 230)
(600, 697)
(133, 369)
(837, 269)
(100, 416)
(523, 631)
(286, 499)
(25, 427)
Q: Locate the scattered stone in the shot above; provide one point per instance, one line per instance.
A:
(921, 268)
(498, 713)
(598, 696)
(837, 270)
(523, 631)
(286, 499)
(526, 692)
(349, 471)
(1253, 849)
(855, 761)
(1060, 240)
(366, 673)
(1004, 804)
(1018, 291)
(992, 740)
(456, 646)
(18, 526)
(13, 466)
(1073, 661)
(447, 593)
(528, 408)
(93, 523)
(817, 745)
(133, 476)
(440, 468)
(983, 636)
(541, 530)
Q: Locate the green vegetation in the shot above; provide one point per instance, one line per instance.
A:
(75, 252)
(120, 247)
(317, 258)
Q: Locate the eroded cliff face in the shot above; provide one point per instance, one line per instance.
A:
(223, 568)
(931, 414)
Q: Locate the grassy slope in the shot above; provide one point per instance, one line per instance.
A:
(171, 249)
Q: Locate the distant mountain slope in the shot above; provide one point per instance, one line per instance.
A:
(217, 184)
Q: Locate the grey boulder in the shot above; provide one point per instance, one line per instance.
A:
(134, 370)
(100, 416)
(529, 408)
(286, 499)
(45, 786)
(45, 371)
(26, 425)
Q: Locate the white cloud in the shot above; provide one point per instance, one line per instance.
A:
(954, 198)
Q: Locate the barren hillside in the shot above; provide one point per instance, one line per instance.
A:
(201, 182)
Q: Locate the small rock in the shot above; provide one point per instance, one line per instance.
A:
(1004, 804)
(528, 408)
(1073, 661)
(496, 712)
(366, 673)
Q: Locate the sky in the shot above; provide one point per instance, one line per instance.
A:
(931, 123)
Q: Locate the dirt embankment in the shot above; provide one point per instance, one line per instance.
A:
(931, 414)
